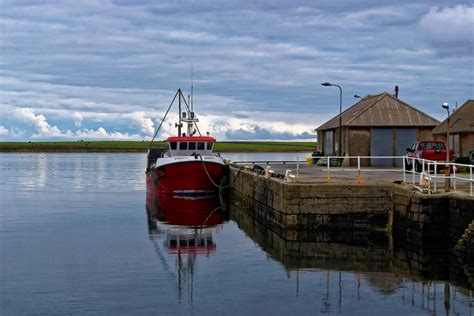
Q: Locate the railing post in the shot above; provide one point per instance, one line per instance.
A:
(435, 175)
(470, 171)
(429, 181)
(454, 177)
(297, 168)
(404, 167)
(358, 169)
(413, 169)
(329, 164)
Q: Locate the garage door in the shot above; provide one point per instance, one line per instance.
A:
(328, 143)
(405, 137)
(381, 145)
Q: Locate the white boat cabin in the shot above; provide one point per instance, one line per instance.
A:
(190, 145)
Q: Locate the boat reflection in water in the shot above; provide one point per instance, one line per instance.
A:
(181, 228)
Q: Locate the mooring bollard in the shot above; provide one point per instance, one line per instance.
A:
(268, 172)
(289, 177)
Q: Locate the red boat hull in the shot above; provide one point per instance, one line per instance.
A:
(187, 177)
(185, 211)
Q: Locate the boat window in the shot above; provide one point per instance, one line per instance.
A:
(200, 145)
(209, 145)
(192, 145)
(183, 145)
(173, 145)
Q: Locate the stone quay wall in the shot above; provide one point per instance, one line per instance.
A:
(281, 204)
(440, 218)
(413, 216)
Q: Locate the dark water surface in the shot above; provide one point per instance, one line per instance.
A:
(74, 239)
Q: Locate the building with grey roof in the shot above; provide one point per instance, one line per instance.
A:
(377, 125)
(461, 129)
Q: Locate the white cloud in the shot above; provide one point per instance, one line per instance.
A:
(102, 134)
(77, 118)
(450, 30)
(43, 128)
(145, 124)
(3, 130)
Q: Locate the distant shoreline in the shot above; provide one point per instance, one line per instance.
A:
(139, 146)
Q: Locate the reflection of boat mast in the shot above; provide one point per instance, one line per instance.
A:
(165, 265)
(183, 226)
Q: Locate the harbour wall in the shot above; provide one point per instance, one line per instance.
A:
(417, 218)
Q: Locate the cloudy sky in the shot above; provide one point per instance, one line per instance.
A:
(108, 69)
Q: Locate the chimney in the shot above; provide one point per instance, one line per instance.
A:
(396, 92)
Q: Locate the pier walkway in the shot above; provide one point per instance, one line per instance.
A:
(434, 182)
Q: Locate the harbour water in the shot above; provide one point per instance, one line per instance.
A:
(75, 239)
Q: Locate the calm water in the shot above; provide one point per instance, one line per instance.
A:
(75, 239)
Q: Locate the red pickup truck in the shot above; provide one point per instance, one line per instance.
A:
(429, 150)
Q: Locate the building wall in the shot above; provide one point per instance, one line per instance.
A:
(466, 143)
(424, 133)
(356, 141)
(320, 139)
(359, 145)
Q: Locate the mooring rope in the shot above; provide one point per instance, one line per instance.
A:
(210, 214)
(212, 181)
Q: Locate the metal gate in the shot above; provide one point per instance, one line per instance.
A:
(328, 143)
(381, 145)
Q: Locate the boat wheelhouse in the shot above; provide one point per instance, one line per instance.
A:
(190, 145)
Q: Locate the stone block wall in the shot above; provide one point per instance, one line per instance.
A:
(311, 206)
(413, 216)
(440, 218)
(464, 250)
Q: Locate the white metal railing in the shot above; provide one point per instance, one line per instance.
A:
(424, 170)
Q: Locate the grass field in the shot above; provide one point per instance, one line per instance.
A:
(142, 146)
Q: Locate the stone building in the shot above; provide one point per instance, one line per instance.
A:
(377, 125)
(461, 130)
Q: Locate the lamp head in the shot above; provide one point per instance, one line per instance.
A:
(326, 84)
(445, 105)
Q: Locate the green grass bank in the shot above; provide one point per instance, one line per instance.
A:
(142, 146)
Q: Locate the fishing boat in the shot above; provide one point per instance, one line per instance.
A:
(187, 165)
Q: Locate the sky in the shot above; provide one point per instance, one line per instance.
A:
(108, 70)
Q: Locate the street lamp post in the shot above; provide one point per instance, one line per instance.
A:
(327, 84)
(447, 182)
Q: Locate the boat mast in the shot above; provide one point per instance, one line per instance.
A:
(179, 107)
(192, 88)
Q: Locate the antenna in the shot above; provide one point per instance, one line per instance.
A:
(192, 87)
